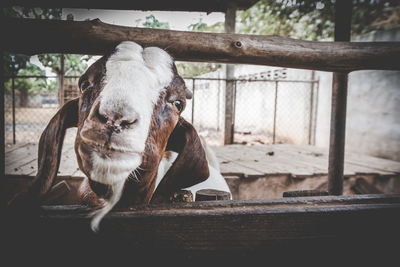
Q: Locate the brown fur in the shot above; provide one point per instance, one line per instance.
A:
(168, 131)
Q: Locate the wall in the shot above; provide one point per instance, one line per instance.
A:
(254, 105)
(373, 107)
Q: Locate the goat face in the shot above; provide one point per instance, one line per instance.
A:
(119, 97)
(128, 116)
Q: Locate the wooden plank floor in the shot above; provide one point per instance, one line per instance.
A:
(242, 160)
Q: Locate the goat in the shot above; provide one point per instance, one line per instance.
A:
(132, 143)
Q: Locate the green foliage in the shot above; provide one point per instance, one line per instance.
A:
(73, 64)
(31, 85)
(17, 64)
(188, 69)
(314, 20)
(33, 13)
(13, 63)
(192, 69)
(152, 22)
(200, 26)
(25, 86)
(301, 19)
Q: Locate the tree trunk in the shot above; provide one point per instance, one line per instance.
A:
(23, 97)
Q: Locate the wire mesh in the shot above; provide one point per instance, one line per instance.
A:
(265, 111)
(293, 113)
(28, 110)
(254, 111)
(209, 110)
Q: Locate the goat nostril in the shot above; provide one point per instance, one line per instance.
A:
(102, 118)
(127, 123)
(117, 129)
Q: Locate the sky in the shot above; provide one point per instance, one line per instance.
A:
(177, 20)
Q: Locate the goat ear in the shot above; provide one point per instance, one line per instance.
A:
(50, 146)
(189, 168)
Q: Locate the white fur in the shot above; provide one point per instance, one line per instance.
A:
(133, 82)
(164, 166)
(215, 180)
(210, 155)
(99, 214)
(113, 170)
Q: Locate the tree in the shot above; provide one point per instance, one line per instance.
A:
(193, 69)
(24, 86)
(200, 26)
(301, 19)
(13, 63)
(17, 64)
(73, 64)
(314, 20)
(186, 69)
(152, 22)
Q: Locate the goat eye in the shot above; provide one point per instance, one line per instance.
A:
(178, 104)
(85, 85)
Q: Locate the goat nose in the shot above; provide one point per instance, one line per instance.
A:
(115, 123)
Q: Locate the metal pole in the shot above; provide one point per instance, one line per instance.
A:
(218, 103)
(314, 130)
(234, 112)
(311, 107)
(275, 109)
(193, 87)
(339, 102)
(13, 108)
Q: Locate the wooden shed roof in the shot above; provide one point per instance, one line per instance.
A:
(170, 5)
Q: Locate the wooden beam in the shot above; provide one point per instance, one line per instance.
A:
(95, 37)
(221, 225)
(230, 19)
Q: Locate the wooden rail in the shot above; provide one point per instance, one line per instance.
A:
(291, 224)
(29, 36)
(333, 223)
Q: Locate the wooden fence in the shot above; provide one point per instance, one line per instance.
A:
(230, 225)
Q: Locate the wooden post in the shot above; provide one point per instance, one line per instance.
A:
(13, 108)
(61, 82)
(212, 194)
(339, 101)
(3, 182)
(230, 17)
(182, 196)
(193, 88)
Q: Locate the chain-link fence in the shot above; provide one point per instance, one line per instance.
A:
(28, 109)
(265, 111)
(206, 109)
